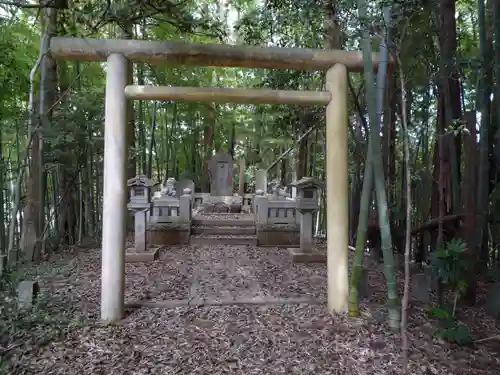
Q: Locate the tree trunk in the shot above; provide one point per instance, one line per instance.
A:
(67, 173)
(483, 100)
(34, 211)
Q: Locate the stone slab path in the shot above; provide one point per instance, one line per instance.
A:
(223, 273)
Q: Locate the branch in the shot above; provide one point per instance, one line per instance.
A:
(496, 337)
(56, 4)
(291, 148)
(21, 5)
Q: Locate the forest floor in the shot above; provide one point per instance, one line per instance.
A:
(63, 334)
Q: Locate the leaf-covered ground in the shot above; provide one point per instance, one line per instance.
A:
(64, 336)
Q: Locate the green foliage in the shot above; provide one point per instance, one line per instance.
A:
(38, 325)
(450, 328)
(450, 266)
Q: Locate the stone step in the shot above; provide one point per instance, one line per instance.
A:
(223, 240)
(148, 256)
(210, 230)
(223, 222)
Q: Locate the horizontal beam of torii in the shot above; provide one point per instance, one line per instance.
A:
(227, 95)
(215, 55)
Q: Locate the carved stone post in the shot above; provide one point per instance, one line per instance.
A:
(261, 180)
(306, 230)
(241, 182)
(140, 231)
(185, 206)
(261, 207)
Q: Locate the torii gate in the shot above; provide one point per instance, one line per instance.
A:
(117, 52)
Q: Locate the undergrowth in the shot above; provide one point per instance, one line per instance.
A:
(28, 329)
(450, 267)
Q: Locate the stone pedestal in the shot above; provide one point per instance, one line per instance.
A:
(142, 251)
(306, 253)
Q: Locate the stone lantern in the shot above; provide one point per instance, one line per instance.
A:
(307, 205)
(139, 192)
(140, 204)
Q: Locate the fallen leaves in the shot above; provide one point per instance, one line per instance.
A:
(287, 339)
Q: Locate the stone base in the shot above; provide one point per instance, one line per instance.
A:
(313, 257)
(224, 240)
(165, 234)
(168, 237)
(226, 230)
(223, 222)
(147, 256)
(278, 235)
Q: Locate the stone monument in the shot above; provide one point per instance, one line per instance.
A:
(220, 171)
(27, 294)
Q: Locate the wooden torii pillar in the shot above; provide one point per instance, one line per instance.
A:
(114, 211)
(117, 52)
